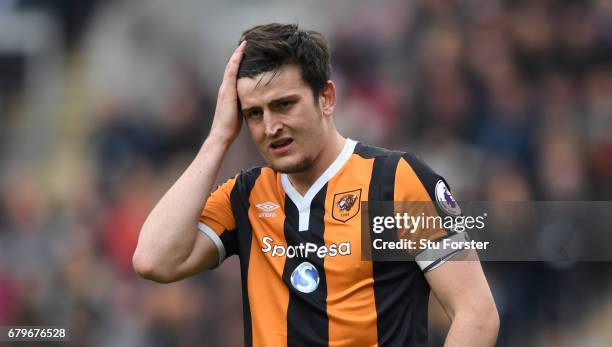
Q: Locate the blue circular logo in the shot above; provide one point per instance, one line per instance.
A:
(305, 278)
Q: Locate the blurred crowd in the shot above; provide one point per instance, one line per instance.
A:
(104, 103)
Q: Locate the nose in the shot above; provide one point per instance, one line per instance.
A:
(272, 124)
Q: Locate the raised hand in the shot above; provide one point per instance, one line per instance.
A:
(227, 120)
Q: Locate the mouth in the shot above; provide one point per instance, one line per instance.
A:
(281, 146)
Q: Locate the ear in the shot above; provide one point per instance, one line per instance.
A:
(327, 99)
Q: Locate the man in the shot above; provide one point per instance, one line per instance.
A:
(277, 82)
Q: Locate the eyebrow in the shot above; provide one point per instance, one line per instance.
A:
(275, 101)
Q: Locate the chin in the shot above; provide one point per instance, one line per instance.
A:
(291, 166)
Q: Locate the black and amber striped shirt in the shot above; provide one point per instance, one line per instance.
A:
(303, 280)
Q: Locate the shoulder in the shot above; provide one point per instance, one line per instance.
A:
(370, 152)
(397, 157)
(413, 178)
(373, 152)
(246, 179)
(242, 181)
(250, 173)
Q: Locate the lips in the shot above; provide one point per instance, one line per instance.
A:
(280, 146)
(281, 143)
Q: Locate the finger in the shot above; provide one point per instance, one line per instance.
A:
(235, 59)
(231, 70)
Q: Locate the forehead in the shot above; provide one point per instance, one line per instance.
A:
(266, 86)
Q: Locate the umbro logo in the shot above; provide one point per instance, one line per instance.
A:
(267, 207)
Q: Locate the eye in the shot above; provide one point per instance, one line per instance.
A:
(254, 113)
(283, 105)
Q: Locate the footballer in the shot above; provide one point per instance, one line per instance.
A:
(295, 223)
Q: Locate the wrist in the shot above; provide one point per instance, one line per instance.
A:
(216, 142)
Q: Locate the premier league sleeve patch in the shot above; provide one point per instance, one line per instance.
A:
(445, 199)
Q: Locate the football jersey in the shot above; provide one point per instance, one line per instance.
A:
(304, 282)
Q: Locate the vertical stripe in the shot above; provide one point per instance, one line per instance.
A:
(229, 238)
(350, 295)
(307, 321)
(423, 177)
(268, 294)
(400, 290)
(409, 188)
(239, 199)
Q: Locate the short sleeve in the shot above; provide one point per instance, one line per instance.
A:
(217, 220)
(426, 193)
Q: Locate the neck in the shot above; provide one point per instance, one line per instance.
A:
(302, 181)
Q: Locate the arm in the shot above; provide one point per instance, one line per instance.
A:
(170, 247)
(462, 289)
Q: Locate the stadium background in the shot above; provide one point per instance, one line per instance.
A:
(103, 103)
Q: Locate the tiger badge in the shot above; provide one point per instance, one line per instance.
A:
(346, 205)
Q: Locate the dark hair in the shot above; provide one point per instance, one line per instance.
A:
(272, 46)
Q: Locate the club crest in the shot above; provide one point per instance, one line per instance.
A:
(346, 205)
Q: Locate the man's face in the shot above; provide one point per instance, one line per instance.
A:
(285, 121)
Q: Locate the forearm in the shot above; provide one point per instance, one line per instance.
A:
(474, 327)
(169, 233)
